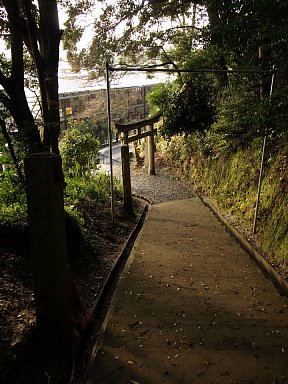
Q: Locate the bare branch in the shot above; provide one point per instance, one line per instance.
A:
(4, 81)
(184, 27)
(31, 42)
(11, 149)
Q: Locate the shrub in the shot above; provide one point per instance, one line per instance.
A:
(243, 119)
(97, 187)
(13, 206)
(188, 105)
(79, 151)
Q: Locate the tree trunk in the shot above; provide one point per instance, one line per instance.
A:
(11, 150)
(14, 85)
(50, 35)
(24, 119)
(43, 45)
(217, 41)
(39, 30)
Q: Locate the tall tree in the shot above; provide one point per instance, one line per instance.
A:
(34, 28)
(133, 31)
(31, 29)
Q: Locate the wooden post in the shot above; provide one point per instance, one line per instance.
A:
(125, 159)
(150, 142)
(44, 185)
(146, 154)
(110, 143)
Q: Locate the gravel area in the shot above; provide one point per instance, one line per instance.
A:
(158, 188)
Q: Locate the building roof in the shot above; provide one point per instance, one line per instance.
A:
(80, 81)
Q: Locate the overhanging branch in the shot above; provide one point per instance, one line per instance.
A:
(184, 27)
(159, 68)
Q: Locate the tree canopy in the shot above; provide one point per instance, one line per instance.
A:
(132, 31)
(236, 34)
(140, 30)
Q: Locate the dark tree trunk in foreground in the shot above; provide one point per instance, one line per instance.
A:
(16, 101)
(35, 25)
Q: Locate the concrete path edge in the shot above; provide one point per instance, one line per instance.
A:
(68, 367)
(279, 282)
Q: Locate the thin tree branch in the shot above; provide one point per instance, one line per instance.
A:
(32, 45)
(170, 60)
(6, 101)
(4, 81)
(11, 149)
(184, 27)
(112, 27)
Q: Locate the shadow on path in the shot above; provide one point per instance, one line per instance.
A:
(191, 307)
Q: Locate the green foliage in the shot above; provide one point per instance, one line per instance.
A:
(4, 157)
(13, 207)
(192, 108)
(74, 215)
(277, 114)
(5, 64)
(132, 31)
(80, 191)
(245, 25)
(18, 145)
(101, 130)
(97, 187)
(239, 119)
(76, 234)
(273, 210)
(187, 105)
(79, 150)
(137, 31)
(161, 96)
(242, 118)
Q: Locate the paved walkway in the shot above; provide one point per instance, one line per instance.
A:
(192, 307)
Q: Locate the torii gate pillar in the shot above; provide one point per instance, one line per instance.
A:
(126, 177)
(123, 132)
(151, 157)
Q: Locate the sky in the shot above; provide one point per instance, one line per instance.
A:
(86, 22)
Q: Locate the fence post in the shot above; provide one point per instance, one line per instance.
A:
(150, 142)
(44, 183)
(125, 159)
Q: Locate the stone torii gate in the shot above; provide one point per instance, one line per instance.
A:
(128, 133)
